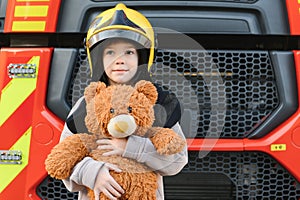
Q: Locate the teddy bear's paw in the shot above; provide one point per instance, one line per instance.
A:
(174, 146)
(167, 142)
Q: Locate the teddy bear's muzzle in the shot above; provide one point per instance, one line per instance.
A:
(121, 126)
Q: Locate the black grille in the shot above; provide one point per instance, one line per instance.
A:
(80, 78)
(53, 189)
(229, 91)
(255, 175)
(219, 175)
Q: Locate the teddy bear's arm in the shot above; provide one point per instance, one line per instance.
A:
(166, 141)
(66, 154)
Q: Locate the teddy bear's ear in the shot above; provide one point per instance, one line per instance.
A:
(148, 89)
(101, 86)
(91, 90)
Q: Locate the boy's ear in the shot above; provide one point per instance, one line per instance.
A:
(148, 89)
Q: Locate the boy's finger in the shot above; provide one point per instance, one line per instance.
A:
(103, 141)
(105, 146)
(97, 195)
(109, 153)
(114, 191)
(113, 167)
(109, 195)
(116, 186)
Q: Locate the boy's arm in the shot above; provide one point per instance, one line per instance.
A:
(84, 172)
(142, 150)
(84, 175)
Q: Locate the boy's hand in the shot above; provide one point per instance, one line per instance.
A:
(106, 183)
(116, 146)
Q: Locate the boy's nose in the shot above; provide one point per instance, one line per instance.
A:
(119, 60)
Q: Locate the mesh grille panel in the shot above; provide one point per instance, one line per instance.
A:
(53, 189)
(247, 78)
(254, 175)
(243, 79)
(80, 79)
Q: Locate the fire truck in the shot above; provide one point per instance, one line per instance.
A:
(246, 147)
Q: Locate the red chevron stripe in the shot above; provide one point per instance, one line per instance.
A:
(17, 123)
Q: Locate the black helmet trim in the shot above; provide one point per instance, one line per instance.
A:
(119, 33)
(120, 18)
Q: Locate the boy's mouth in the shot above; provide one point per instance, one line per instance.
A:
(120, 70)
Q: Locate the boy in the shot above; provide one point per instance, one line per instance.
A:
(120, 47)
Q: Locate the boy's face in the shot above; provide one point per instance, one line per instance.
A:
(120, 61)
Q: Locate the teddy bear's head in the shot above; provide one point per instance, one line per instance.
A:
(120, 110)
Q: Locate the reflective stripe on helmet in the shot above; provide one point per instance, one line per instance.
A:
(119, 33)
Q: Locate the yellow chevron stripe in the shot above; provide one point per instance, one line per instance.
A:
(28, 25)
(16, 92)
(31, 11)
(9, 172)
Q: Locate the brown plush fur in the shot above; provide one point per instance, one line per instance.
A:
(136, 179)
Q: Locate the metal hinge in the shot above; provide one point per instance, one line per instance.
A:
(12, 157)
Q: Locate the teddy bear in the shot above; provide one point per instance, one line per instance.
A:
(117, 111)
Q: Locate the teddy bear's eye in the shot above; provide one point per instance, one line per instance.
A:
(129, 109)
(112, 110)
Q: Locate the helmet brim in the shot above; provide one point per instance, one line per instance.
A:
(118, 33)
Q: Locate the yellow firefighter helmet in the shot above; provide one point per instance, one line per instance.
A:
(121, 22)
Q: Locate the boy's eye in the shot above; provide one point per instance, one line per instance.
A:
(109, 52)
(129, 52)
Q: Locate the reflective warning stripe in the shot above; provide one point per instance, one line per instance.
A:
(31, 11)
(27, 127)
(16, 91)
(9, 172)
(31, 15)
(31, 0)
(29, 26)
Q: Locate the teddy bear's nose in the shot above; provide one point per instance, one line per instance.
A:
(121, 126)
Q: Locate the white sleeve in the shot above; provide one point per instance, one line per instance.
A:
(84, 175)
(142, 150)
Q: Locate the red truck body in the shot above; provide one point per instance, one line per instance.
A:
(31, 124)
